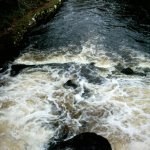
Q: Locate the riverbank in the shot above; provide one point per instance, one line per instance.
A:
(12, 36)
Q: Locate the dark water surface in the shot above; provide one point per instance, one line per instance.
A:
(88, 42)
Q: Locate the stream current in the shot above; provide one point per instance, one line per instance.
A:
(88, 42)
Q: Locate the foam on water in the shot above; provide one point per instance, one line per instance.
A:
(35, 104)
(88, 54)
(26, 112)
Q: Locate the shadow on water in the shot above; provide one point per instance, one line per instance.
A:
(108, 23)
(113, 24)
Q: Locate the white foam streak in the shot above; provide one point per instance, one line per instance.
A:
(34, 105)
(86, 56)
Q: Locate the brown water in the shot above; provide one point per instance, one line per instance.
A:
(35, 106)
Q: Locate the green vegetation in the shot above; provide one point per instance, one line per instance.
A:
(9, 12)
(18, 20)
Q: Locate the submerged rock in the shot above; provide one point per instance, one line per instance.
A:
(3, 68)
(70, 83)
(15, 69)
(86, 93)
(90, 73)
(83, 141)
(127, 71)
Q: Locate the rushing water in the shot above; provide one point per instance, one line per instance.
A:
(89, 42)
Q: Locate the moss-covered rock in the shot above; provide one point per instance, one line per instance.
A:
(12, 35)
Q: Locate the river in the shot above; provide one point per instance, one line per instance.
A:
(88, 42)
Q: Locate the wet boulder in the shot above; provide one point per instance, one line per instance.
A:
(83, 141)
(127, 71)
(91, 74)
(70, 83)
(92, 63)
(16, 68)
